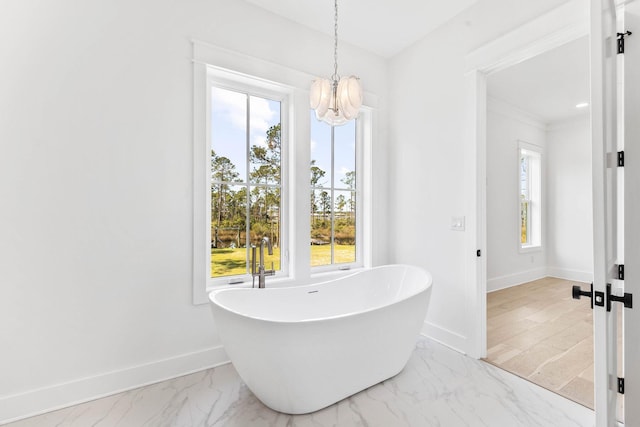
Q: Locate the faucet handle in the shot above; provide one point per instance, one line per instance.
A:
(271, 272)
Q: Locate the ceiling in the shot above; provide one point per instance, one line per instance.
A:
(380, 26)
(548, 85)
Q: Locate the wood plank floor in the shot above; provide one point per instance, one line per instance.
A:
(538, 332)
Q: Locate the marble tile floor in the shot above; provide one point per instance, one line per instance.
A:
(438, 387)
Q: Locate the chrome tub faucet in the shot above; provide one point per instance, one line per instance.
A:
(259, 270)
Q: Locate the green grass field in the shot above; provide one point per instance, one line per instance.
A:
(229, 262)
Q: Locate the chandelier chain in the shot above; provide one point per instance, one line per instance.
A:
(335, 76)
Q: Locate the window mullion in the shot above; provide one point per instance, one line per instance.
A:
(248, 185)
(333, 174)
(529, 198)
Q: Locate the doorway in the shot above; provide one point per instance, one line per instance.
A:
(539, 226)
(612, 196)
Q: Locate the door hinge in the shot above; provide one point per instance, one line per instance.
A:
(478, 253)
(621, 37)
(620, 385)
(627, 299)
(620, 271)
(615, 159)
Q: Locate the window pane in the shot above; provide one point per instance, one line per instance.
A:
(321, 216)
(320, 181)
(232, 233)
(345, 227)
(332, 193)
(228, 230)
(320, 227)
(265, 222)
(530, 187)
(524, 221)
(265, 140)
(345, 155)
(229, 127)
(524, 175)
(320, 153)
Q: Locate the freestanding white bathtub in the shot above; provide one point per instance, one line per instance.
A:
(300, 349)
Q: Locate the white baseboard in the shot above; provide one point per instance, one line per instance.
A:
(568, 274)
(509, 280)
(445, 337)
(46, 399)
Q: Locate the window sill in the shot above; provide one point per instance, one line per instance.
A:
(529, 249)
(281, 282)
(277, 282)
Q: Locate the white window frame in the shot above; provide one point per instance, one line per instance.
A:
(224, 67)
(223, 79)
(363, 120)
(536, 201)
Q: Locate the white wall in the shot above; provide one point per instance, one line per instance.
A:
(506, 265)
(96, 186)
(427, 133)
(567, 218)
(569, 197)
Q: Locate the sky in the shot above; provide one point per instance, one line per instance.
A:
(228, 130)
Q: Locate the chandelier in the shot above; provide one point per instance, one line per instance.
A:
(336, 100)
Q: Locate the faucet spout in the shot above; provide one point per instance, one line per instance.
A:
(265, 240)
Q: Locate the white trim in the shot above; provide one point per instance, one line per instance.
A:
(229, 80)
(35, 402)
(553, 29)
(530, 249)
(498, 106)
(566, 23)
(363, 184)
(536, 187)
(475, 164)
(531, 147)
(629, 137)
(241, 68)
(209, 54)
(236, 68)
(570, 274)
(366, 132)
(445, 337)
(576, 120)
(515, 279)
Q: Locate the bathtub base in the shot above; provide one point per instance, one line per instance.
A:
(314, 405)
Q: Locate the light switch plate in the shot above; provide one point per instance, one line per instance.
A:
(457, 223)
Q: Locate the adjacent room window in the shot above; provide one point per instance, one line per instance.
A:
(246, 181)
(334, 218)
(530, 180)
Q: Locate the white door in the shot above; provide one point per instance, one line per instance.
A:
(615, 89)
(630, 65)
(604, 146)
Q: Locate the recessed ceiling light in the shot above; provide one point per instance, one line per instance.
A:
(582, 105)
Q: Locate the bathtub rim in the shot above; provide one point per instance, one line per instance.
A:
(329, 282)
